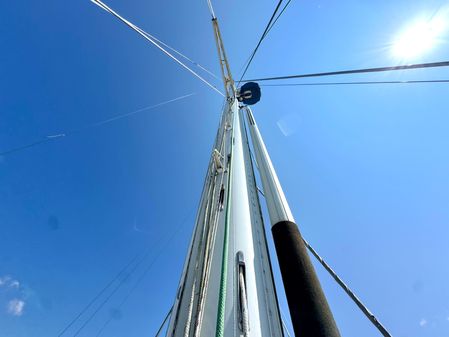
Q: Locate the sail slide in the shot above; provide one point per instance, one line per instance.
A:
(227, 288)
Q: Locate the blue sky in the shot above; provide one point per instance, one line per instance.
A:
(365, 168)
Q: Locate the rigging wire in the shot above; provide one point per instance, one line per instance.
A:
(349, 292)
(353, 83)
(178, 53)
(112, 293)
(248, 63)
(27, 146)
(98, 295)
(120, 274)
(283, 323)
(163, 323)
(148, 38)
(155, 42)
(211, 9)
(147, 270)
(49, 138)
(250, 58)
(112, 119)
(280, 13)
(187, 58)
(356, 71)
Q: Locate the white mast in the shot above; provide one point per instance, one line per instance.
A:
(309, 310)
(227, 287)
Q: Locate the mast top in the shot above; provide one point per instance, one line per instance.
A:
(249, 93)
(228, 81)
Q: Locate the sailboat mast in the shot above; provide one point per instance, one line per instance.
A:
(309, 310)
(228, 81)
(227, 287)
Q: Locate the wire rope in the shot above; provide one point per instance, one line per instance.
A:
(283, 323)
(354, 83)
(349, 292)
(112, 293)
(52, 137)
(128, 114)
(260, 40)
(211, 9)
(163, 323)
(146, 270)
(356, 71)
(148, 38)
(279, 15)
(179, 53)
(27, 146)
(97, 296)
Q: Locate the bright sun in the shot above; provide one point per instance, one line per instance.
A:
(418, 38)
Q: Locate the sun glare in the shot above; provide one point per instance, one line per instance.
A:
(419, 38)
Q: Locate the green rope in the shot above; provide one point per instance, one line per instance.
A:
(224, 262)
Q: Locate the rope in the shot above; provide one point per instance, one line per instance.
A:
(211, 9)
(148, 38)
(97, 296)
(260, 40)
(27, 146)
(212, 217)
(72, 132)
(179, 53)
(349, 292)
(112, 119)
(352, 83)
(116, 288)
(357, 71)
(163, 323)
(224, 262)
(147, 270)
(275, 20)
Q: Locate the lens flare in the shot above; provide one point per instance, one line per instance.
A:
(419, 37)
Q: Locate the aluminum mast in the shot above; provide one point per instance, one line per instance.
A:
(227, 287)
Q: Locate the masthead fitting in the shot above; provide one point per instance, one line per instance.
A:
(249, 93)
